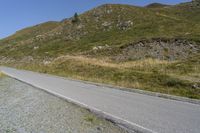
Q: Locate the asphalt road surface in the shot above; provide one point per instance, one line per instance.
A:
(134, 111)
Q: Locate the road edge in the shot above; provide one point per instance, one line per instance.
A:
(156, 94)
(124, 124)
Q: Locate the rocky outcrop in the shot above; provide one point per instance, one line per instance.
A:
(163, 49)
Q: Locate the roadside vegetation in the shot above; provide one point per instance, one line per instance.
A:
(179, 78)
(2, 75)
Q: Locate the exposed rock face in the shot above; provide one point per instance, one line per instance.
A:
(159, 49)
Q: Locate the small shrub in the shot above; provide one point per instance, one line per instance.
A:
(174, 83)
(89, 118)
(76, 18)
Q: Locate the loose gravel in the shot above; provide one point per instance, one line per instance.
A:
(25, 109)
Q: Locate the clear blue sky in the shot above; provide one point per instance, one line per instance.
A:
(18, 14)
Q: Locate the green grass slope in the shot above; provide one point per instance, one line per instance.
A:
(102, 26)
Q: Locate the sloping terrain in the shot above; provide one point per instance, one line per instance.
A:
(155, 48)
(157, 5)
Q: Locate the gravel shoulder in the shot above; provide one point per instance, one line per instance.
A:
(24, 109)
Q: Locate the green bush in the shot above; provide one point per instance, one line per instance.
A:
(174, 83)
(76, 18)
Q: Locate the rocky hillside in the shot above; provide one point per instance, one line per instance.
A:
(162, 49)
(109, 27)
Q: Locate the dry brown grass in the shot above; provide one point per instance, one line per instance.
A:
(167, 16)
(149, 74)
(143, 64)
(191, 77)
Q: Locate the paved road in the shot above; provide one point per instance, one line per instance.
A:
(135, 111)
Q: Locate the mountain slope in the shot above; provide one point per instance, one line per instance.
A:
(148, 48)
(112, 25)
(156, 5)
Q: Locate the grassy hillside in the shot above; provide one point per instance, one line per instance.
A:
(155, 48)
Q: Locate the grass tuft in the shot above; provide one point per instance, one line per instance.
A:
(2, 75)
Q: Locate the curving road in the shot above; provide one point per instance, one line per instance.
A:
(134, 111)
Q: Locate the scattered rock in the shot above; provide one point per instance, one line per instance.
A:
(36, 47)
(46, 62)
(80, 26)
(4, 60)
(100, 47)
(109, 11)
(107, 26)
(27, 59)
(99, 129)
(125, 25)
(196, 86)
